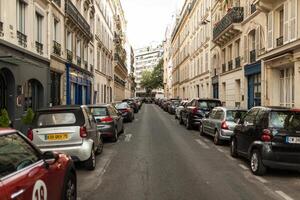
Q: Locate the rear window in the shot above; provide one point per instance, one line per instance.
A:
(208, 105)
(54, 119)
(285, 120)
(99, 111)
(121, 105)
(234, 115)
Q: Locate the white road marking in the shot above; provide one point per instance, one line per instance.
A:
(261, 179)
(202, 144)
(229, 157)
(221, 150)
(284, 195)
(243, 167)
(128, 137)
(206, 140)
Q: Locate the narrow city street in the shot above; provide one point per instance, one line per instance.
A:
(158, 159)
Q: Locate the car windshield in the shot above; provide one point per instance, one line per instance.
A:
(54, 119)
(234, 115)
(99, 111)
(208, 105)
(121, 105)
(285, 120)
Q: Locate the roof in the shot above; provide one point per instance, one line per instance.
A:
(4, 131)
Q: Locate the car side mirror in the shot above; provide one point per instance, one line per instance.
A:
(50, 157)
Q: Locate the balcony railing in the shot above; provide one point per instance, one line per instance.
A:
(69, 55)
(85, 64)
(78, 60)
(1, 28)
(230, 65)
(39, 47)
(252, 56)
(279, 41)
(234, 15)
(237, 62)
(119, 60)
(56, 48)
(223, 68)
(120, 81)
(22, 39)
(253, 8)
(58, 2)
(77, 18)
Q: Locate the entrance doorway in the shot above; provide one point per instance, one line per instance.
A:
(7, 92)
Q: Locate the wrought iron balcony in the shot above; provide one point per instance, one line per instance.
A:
(56, 48)
(230, 65)
(58, 2)
(223, 68)
(237, 62)
(69, 55)
(279, 41)
(77, 18)
(39, 47)
(252, 56)
(253, 8)
(22, 39)
(118, 59)
(78, 60)
(85, 64)
(119, 81)
(234, 15)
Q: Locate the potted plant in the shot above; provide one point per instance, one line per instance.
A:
(27, 120)
(4, 118)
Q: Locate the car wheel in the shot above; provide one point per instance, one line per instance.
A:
(256, 164)
(100, 147)
(187, 123)
(70, 191)
(217, 138)
(90, 164)
(233, 150)
(201, 129)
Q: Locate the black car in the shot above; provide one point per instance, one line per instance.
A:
(126, 110)
(268, 137)
(133, 104)
(197, 109)
(173, 105)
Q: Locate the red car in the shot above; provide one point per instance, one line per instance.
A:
(26, 173)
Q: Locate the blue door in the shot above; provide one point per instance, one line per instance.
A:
(216, 91)
(250, 91)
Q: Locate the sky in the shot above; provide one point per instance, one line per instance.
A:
(147, 20)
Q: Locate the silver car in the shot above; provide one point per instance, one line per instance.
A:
(179, 108)
(221, 123)
(68, 129)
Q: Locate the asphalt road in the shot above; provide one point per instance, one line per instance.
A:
(157, 159)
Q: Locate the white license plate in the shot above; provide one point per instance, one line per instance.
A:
(293, 140)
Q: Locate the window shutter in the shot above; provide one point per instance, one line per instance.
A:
(246, 52)
(286, 22)
(293, 19)
(270, 30)
(257, 40)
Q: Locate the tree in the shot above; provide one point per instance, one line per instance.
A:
(27, 119)
(153, 79)
(4, 118)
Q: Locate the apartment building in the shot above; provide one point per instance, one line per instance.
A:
(103, 51)
(24, 57)
(280, 60)
(168, 65)
(130, 81)
(145, 60)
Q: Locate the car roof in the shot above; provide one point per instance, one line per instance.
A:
(98, 105)
(4, 131)
(63, 107)
(206, 99)
(231, 109)
(274, 108)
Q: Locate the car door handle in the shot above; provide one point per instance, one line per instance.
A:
(17, 194)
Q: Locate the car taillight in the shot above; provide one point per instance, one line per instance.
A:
(224, 125)
(106, 120)
(30, 134)
(266, 136)
(83, 132)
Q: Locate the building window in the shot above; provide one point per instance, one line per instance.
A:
(21, 8)
(69, 41)
(287, 87)
(78, 48)
(56, 30)
(281, 23)
(39, 27)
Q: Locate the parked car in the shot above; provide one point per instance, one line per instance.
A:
(268, 137)
(179, 108)
(133, 104)
(221, 123)
(68, 129)
(109, 121)
(196, 110)
(173, 105)
(25, 170)
(126, 110)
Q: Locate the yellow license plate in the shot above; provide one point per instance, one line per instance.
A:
(57, 137)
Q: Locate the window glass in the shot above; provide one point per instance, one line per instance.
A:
(54, 119)
(278, 119)
(250, 117)
(122, 105)
(234, 115)
(15, 154)
(208, 105)
(100, 111)
(219, 115)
